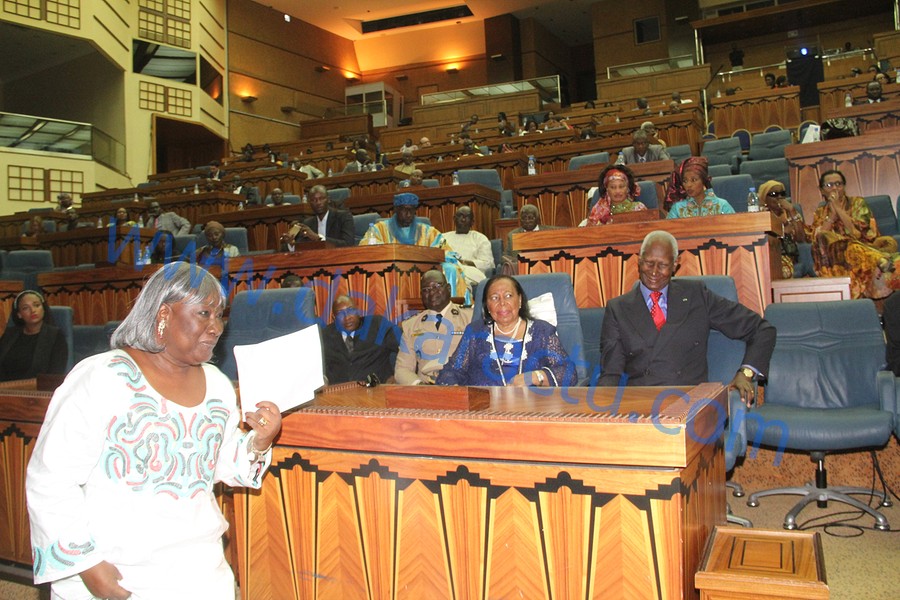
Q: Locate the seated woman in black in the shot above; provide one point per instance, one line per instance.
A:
(32, 345)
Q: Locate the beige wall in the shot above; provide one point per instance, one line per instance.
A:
(614, 33)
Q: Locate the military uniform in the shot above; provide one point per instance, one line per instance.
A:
(428, 343)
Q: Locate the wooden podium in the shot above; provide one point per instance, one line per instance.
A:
(578, 493)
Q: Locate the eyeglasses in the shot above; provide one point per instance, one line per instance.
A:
(833, 184)
(778, 194)
(655, 266)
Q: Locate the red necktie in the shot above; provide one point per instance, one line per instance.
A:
(656, 312)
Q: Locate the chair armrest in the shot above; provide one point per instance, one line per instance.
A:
(888, 386)
(736, 428)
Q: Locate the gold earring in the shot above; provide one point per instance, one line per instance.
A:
(160, 329)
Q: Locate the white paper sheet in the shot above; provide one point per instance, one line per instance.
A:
(286, 370)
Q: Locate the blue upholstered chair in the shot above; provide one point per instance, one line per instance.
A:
(744, 137)
(591, 325)
(361, 224)
(260, 315)
(723, 152)
(826, 392)
(679, 153)
(719, 170)
(64, 319)
(648, 194)
(488, 178)
(764, 146)
(88, 340)
(882, 208)
(236, 236)
(497, 253)
(431, 183)
(568, 323)
(598, 158)
(26, 265)
(763, 170)
(734, 188)
(337, 196)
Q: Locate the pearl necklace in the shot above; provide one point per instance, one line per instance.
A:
(512, 331)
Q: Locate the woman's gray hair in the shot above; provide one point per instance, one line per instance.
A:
(175, 282)
(660, 236)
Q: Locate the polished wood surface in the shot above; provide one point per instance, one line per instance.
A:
(870, 162)
(869, 117)
(106, 245)
(265, 224)
(508, 165)
(438, 204)
(362, 184)
(755, 110)
(602, 261)
(8, 292)
(376, 276)
(833, 93)
(562, 198)
(741, 563)
(409, 503)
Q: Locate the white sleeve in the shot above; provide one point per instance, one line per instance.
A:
(484, 258)
(68, 448)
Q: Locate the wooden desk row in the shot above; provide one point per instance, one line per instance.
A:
(870, 117)
(755, 110)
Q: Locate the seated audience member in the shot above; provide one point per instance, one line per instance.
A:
(424, 142)
(882, 78)
(406, 165)
(34, 226)
(529, 220)
(641, 150)
(617, 191)
(656, 334)
(643, 105)
(473, 247)
(873, 93)
(846, 242)
(652, 134)
(674, 107)
(472, 124)
(430, 337)
(311, 171)
(470, 149)
(291, 281)
(163, 247)
(326, 224)
(415, 179)
(360, 163)
(405, 228)
(781, 81)
(507, 346)
(504, 127)
(276, 198)
(690, 192)
(891, 317)
(215, 173)
(31, 345)
(552, 123)
(167, 221)
(63, 201)
(769, 80)
(250, 193)
(120, 219)
(408, 146)
(356, 346)
(531, 126)
(215, 249)
(504, 148)
(793, 230)
(73, 222)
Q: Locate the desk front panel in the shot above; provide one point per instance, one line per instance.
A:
(755, 110)
(602, 261)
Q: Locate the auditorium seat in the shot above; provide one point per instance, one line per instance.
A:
(883, 212)
(591, 324)
(764, 146)
(260, 315)
(597, 158)
(337, 196)
(763, 170)
(488, 178)
(64, 320)
(679, 153)
(723, 152)
(361, 224)
(431, 183)
(236, 236)
(719, 170)
(744, 137)
(648, 194)
(735, 189)
(26, 265)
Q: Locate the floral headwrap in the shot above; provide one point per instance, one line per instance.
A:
(675, 192)
(601, 213)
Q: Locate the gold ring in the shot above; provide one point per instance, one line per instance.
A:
(263, 421)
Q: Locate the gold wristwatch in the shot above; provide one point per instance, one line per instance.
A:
(747, 372)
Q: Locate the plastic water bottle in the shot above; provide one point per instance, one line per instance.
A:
(99, 222)
(532, 169)
(240, 206)
(848, 99)
(752, 201)
(621, 159)
(330, 172)
(618, 120)
(373, 241)
(136, 198)
(141, 221)
(455, 178)
(440, 158)
(305, 198)
(196, 188)
(452, 138)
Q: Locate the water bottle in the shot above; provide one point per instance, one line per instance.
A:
(618, 120)
(99, 222)
(196, 188)
(621, 159)
(330, 172)
(848, 99)
(373, 240)
(141, 221)
(752, 201)
(440, 158)
(305, 198)
(532, 170)
(136, 198)
(452, 138)
(660, 112)
(240, 206)
(455, 178)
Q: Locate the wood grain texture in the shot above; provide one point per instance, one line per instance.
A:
(754, 110)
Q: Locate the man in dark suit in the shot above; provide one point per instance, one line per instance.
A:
(656, 334)
(326, 224)
(641, 150)
(356, 346)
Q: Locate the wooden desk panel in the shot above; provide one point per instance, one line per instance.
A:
(602, 261)
(8, 292)
(426, 502)
(832, 93)
(365, 183)
(92, 245)
(196, 208)
(265, 225)
(508, 165)
(561, 196)
(754, 110)
(869, 117)
(870, 162)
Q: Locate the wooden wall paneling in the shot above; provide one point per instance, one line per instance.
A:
(754, 110)
(336, 127)
(636, 86)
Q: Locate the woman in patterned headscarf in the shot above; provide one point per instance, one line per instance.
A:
(617, 192)
(690, 192)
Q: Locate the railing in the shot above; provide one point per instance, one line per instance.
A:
(649, 67)
(66, 137)
(547, 86)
